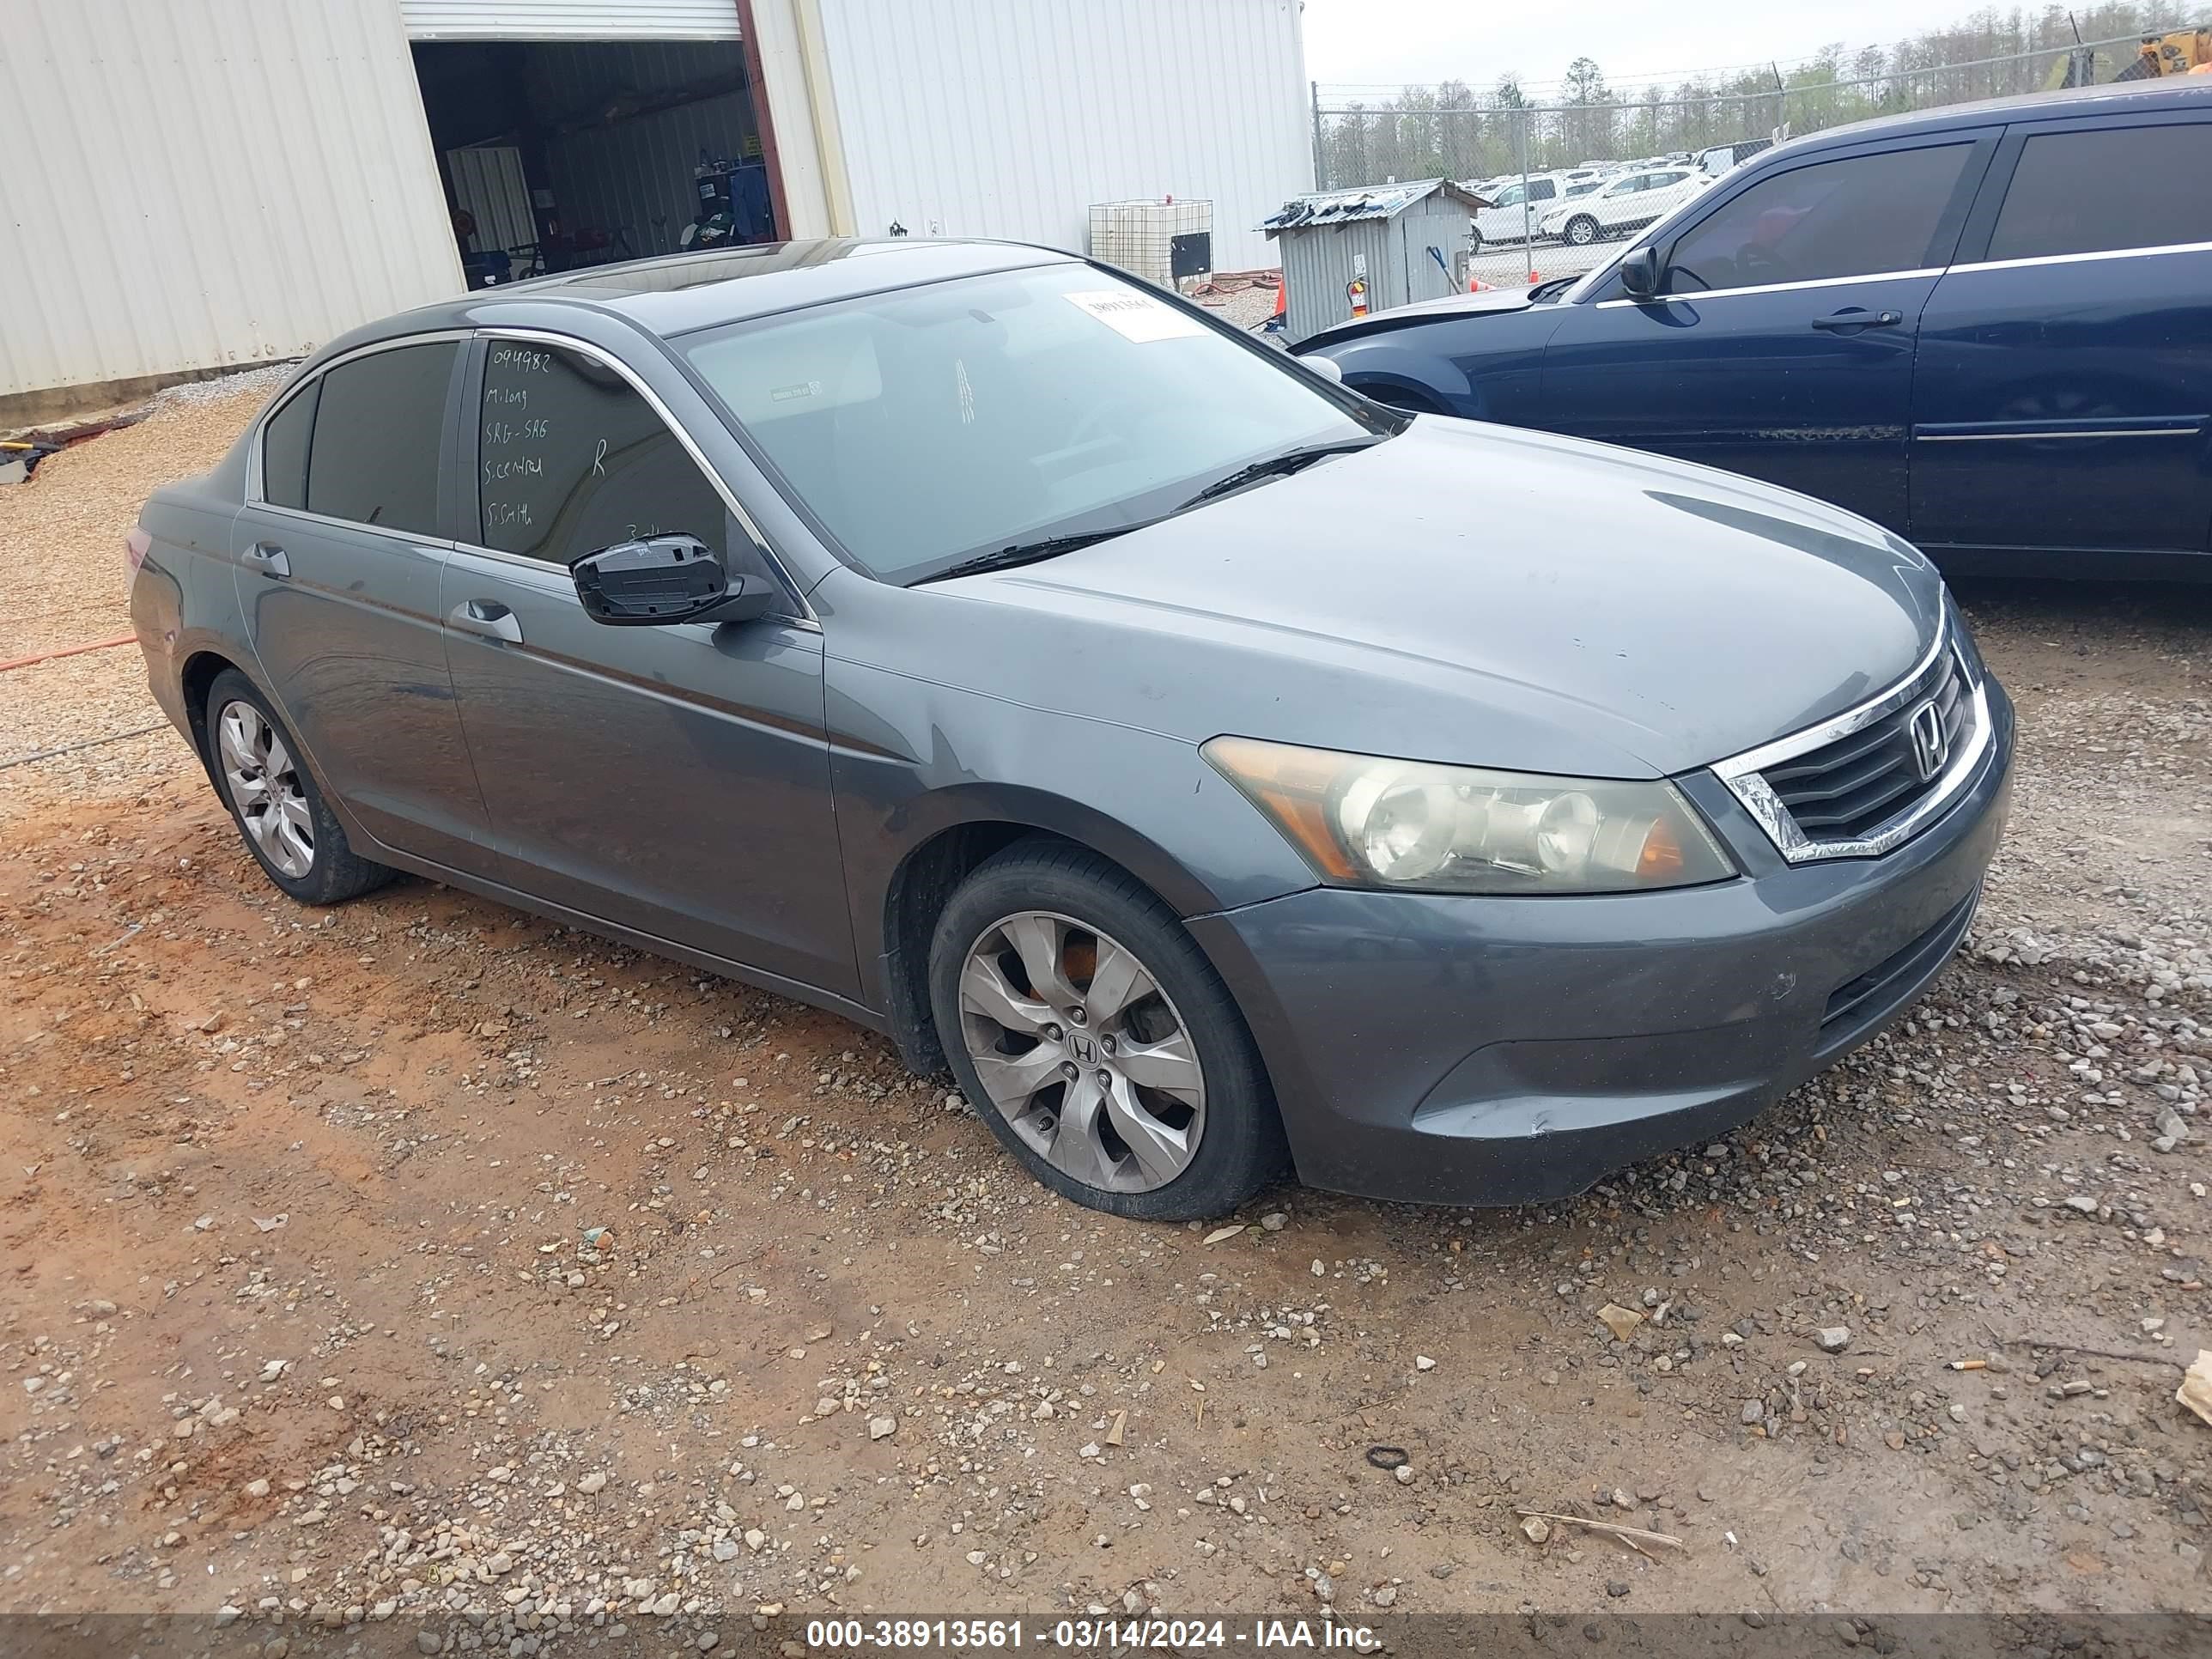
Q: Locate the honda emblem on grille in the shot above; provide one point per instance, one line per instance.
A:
(1931, 743)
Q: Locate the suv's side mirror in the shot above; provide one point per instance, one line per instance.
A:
(1639, 272)
(665, 579)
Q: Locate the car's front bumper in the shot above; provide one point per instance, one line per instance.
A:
(1470, 1050)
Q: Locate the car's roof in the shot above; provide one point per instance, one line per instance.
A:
(679, 293)
(2169, 92)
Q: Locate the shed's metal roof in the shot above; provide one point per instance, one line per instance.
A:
(1338, 207)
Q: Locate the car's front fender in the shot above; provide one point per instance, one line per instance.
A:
(1408, 364)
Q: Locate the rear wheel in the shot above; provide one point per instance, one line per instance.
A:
(281, 814)
(1582, 230)
(1096, 1040)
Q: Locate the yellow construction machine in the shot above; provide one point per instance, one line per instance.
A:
(2184, 51)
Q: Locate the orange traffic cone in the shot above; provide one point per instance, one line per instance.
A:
(1282, 300)
(1476, 285)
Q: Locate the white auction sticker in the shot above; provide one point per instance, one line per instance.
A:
(1136, 316)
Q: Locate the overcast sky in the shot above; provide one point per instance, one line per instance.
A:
(1385, 42)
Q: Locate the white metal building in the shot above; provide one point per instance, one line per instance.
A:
(194, 184)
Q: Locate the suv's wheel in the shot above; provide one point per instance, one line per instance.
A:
(1097, 1041)
(1473, 241)
(1582, 230)
(281, 814)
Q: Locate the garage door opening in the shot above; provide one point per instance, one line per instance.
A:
(559, 155)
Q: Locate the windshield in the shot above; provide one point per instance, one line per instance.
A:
(926, 426)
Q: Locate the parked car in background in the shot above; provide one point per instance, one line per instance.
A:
(1980, 326)
(1715, 160)
(1515, 208)
(1627, 202)
(1024, 663)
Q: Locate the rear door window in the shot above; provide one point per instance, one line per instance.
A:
(2105, 189)
(284, 449)
(570, 459)
(1850, 217)
(379, 425)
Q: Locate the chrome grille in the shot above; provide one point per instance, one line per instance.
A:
(1871, 778)
(1847, 789)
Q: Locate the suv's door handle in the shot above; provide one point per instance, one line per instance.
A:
(488, 618)
(1851, 321)
(268, 559)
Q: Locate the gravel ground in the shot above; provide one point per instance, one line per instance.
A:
(421, 1264)
(61, 537)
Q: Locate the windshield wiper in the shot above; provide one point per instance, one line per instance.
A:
(1275, 466)
(1051, 547)
(1021, 553)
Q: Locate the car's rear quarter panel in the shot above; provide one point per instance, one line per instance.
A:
(183, 599)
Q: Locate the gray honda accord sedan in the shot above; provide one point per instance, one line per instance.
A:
(1214, 768)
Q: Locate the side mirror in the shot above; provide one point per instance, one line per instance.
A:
(1325, 367)
(665, 579)
(1639, 272)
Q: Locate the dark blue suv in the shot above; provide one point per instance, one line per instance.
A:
(1987, 327)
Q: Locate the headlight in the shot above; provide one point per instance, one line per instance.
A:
(1362, 821)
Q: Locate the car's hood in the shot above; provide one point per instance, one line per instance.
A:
(1452, 304)
(1473, 593)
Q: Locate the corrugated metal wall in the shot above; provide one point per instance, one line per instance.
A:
(1318, 260)
(570, 20)
(1008, 118)
(489, 187)
(192, 182)
(635, 174)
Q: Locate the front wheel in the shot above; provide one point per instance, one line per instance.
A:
(1474, 241)
(1096, 1040)
(1582, 230)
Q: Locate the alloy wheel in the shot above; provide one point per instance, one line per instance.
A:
(266, 788)
(1581, 233)
(1082, 1052)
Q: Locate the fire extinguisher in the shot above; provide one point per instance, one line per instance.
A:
(1355, 291)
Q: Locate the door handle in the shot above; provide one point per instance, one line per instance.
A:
(488, 619)
(268, 559)
(1854, 320)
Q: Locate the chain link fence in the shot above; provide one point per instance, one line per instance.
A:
(1448, 131)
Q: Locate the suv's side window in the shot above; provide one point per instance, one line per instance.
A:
(2105, 189)
(380, 423)
(1850, 217)
(570, 459)
(284, 449)
(1540, 189)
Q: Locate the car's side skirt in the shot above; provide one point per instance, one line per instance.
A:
(501, 893)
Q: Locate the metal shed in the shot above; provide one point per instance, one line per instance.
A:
(1408, 240)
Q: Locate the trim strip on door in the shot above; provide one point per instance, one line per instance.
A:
(2083, 259)
(2147, 426)
(1774, 288)
(1937, 270)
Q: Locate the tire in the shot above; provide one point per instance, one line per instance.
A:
(1582, 230)
(1202, 1134)
(1473, 242)
(278, 807)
